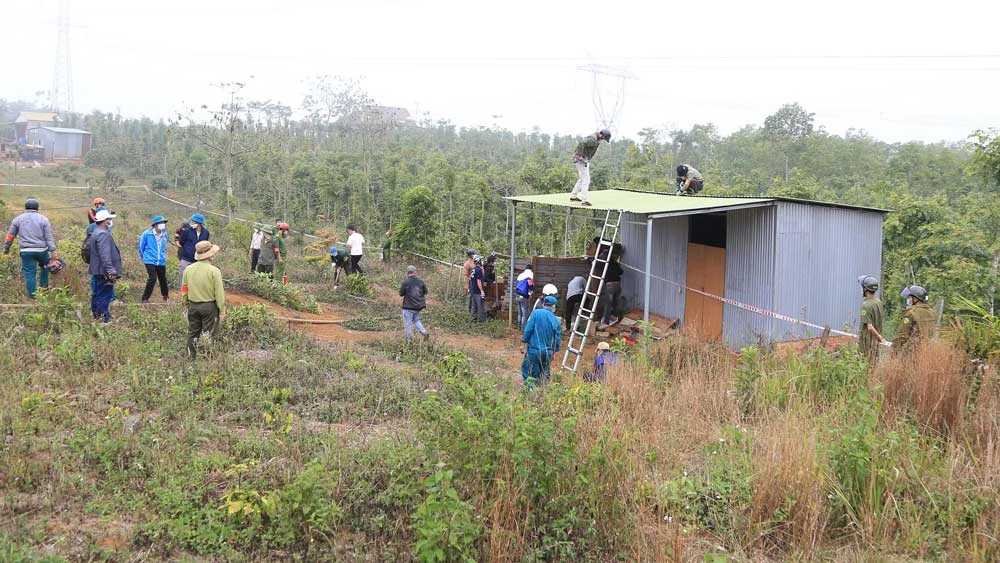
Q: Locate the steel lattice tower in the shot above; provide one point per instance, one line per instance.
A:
(62, 80)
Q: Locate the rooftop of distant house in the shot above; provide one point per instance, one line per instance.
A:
(37, 116)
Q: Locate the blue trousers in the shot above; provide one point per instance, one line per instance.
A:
(536, 367)
(412, 319)
(522, 310)
(31, 263)
(101, 298)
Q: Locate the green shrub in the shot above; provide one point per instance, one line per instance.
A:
(446, 527)
(359, 285)
(285, 295)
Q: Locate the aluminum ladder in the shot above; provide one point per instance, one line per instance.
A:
(588, 305)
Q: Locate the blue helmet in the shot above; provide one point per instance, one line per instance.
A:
(158, 219)
(197, 218)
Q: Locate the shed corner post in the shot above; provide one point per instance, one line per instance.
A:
(510, 277)
(649, 267)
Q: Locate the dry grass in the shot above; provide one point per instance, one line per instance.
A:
(788, 481)
(929, 383)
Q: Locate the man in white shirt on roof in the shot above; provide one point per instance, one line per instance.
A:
(356, 244)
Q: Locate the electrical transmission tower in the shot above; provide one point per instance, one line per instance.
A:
(62, 80)
(608, 93)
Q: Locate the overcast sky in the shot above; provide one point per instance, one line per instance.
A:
(901, 70)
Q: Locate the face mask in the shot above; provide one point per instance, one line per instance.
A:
(110, 223)
(161, 227)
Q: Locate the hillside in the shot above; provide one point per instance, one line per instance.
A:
(323, 442)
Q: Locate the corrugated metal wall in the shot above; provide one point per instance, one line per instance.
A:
(749, 274)
(669, 262)
(820, 252)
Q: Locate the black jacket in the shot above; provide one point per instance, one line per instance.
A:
(104, 256)
(413, 290)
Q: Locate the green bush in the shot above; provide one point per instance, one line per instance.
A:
(285, 295)
(359, 285)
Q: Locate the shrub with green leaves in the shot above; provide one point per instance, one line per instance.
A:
(283, 294)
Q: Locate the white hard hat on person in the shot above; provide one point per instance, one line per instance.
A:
(550, 289)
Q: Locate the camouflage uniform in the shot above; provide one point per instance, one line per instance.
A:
(917, 323)
(873, 314)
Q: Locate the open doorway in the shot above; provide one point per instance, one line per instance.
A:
(706, 271)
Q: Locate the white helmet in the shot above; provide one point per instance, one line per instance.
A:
(550, 289)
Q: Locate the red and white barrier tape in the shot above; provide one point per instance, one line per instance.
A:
(745, 306)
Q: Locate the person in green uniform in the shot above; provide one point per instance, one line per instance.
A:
(279, 238)
(918, 321)
(872, 315)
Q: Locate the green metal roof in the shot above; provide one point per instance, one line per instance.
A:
(661, 204)
(646, 203)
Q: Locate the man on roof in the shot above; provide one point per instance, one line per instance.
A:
(585, 151)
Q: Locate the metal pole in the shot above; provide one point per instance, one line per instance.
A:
(649, 267)
(510, 278)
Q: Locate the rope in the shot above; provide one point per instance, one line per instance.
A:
(744, 306)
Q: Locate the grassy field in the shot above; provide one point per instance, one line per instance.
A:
(279, 445)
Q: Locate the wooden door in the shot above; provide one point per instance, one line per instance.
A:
(706, 271)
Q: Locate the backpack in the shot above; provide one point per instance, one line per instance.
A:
(523, 288)
(85, 249)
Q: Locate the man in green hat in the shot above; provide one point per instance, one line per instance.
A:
(918, 321)
(872, 315)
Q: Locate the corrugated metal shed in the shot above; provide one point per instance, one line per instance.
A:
(819, 254)
(64, 144)
(669, 262)
(749, 275)
(793, 257)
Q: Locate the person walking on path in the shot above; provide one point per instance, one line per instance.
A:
(255, 240)
(574, 294)
(581, 159)
(524, 287)
(539, 343)
(37, 246)
(189, 240)
(270, 253)
(153, 251)
(918, 321)
(279, 266)
(356, 244)
(105, 266)
(477, 292)
(548, 289)
(203, 296)
(872, 315)
(414, 294)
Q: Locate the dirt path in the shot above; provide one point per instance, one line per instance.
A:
(503, 350)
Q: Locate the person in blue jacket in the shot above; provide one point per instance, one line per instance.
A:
(539, 343)
(153, 251)
(189, 239)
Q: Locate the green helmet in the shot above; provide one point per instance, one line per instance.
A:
(915, 291)
(868, 283)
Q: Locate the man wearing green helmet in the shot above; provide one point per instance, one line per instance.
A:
(872, 315)
(918, 321)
